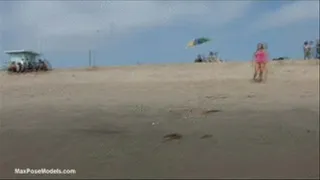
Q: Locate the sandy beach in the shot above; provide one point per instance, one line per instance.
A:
(110, 122)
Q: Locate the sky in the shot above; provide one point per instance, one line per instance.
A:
(154, 32)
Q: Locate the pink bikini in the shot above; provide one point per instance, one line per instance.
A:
(261, 56)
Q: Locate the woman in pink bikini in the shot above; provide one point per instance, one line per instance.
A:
(260, 61)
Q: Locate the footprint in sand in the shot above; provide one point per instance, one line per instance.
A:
(206, 136)
(211, 111)
(172, 136)
(217, 97)
(251, 96)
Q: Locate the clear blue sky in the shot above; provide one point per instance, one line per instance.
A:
(127, 32)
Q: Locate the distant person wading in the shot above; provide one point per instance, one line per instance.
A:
(260, 61)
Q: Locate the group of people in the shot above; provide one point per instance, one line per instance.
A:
(27, 66)
(310, 51)
(212, 57)
(261, 58)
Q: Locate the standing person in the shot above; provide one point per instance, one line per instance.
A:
(305, 47)
(306, 50)
(260, 60)
(318, 49)
(311, 50)
(211, 57)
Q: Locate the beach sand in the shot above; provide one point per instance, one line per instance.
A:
(110, 122)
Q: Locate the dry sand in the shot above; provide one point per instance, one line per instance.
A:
(110, 122)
